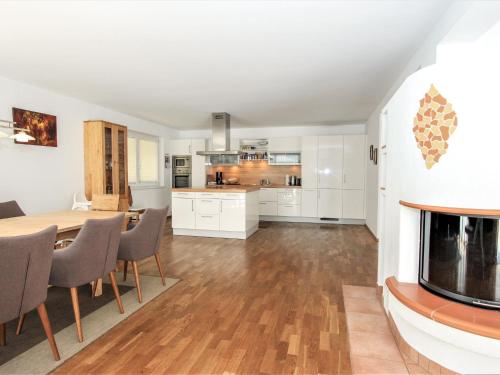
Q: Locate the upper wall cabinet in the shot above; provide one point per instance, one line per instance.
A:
(105, 158)
(284, 144)
(180, 147)
(354, 162)
(330, 161)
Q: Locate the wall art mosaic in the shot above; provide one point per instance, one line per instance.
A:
(433, 126)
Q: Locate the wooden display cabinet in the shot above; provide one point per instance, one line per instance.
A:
(105, 154)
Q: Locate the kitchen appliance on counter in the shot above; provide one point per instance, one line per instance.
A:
(218, 178)
(181, 172)
(292, 180)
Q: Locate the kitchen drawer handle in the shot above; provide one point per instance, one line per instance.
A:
(206, 217)
(207, 200)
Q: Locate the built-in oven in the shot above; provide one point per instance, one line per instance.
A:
(182, 162)
(181, 174)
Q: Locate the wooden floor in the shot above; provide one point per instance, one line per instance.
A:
(271, 304)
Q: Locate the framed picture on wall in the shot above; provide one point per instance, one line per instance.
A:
(41, 126)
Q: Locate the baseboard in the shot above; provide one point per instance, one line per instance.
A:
(372, 234)
(312, 220)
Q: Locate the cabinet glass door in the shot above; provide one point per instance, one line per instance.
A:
(122, 164)
(108, 160)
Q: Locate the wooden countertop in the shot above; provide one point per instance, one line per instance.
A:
(218, 189)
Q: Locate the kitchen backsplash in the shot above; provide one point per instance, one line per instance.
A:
(252, 171)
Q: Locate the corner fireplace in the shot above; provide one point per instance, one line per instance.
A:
(460, 257)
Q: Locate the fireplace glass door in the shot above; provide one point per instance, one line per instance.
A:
(460, 257)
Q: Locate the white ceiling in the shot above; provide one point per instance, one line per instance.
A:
(279, 63)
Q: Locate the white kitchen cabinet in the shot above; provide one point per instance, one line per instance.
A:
(180, 147)
(268, 208)
(330, 203)
(284, 144)
(288, 210)
(207, 222)
(215, 213)
(184, 213)
(309, 160)
(330, 161)
(207, 206)
(198, 173)
(353, 204)
(232, 215)
(268, 195)
(289, 196)
(309, 205)
(354, 162)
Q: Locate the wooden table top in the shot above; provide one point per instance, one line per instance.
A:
(65, 220)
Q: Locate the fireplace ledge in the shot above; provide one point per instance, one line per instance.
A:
(451, 210)
(472, 319)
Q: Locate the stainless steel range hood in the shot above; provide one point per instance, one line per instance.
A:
(221, 140)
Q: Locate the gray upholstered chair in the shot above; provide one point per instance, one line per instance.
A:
(10, 209)
(143, 241)
(24, 277)
(87, 259)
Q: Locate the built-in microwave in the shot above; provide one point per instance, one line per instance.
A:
(182, 161)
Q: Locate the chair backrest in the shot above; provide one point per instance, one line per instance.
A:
(95, 249)
(145, 238)
(10, 209)
(24, 272)
(105, 202)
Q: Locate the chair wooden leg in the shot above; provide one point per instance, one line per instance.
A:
(94, 288)
(42, 313)
(158, 263)
(125, 266)
(112, 278)
(76, 309)
(20, 324)
(3, 340)
(137, 281)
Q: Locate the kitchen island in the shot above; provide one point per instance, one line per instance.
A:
(223, 211)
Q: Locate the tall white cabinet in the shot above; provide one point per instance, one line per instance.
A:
(190, 147)
(333, 171)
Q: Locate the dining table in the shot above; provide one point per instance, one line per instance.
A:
(68, 224)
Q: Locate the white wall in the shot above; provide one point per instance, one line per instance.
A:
(44, 179)
(424, 56)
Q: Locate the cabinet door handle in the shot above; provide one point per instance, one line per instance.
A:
(345, 178)
(190, 149)
(220, 206)
(192, 205)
